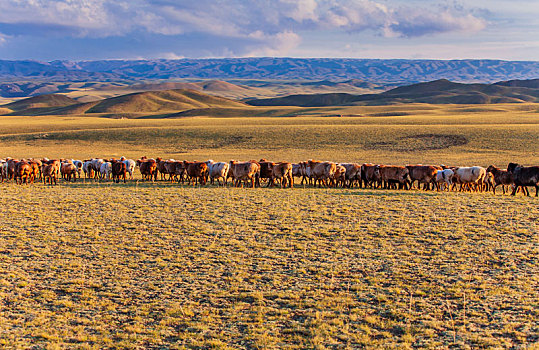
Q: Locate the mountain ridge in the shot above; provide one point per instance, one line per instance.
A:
(285, 68)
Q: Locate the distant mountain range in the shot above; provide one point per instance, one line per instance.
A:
(435, 92)
(385, 71)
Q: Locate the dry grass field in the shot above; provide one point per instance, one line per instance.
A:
(165, 266)
(450, 134)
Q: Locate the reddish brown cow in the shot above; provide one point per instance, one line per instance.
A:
(501, 177)
(69, 171)
(392, 174)
(368, 175)
(148, 169)
(423, 174)
(196, 172)
(22, 172)
(265, 172)
(119, 169)
(49, 173)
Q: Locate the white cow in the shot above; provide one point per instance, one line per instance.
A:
(444, 178)
(129, 165)
(218, 170)
(87, 168)
(105, 170)
(470, 176)
(96, 166)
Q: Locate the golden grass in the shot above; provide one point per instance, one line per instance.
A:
(102, 265)
(418, 134)
(163, 266)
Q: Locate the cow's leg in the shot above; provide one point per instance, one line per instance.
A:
(536, 190)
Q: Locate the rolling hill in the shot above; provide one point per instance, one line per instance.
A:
(435, 92)
(41, 101)
(141, 102)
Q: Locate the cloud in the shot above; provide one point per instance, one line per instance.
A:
(259, 27)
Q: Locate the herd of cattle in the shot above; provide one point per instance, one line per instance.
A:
(264, 172)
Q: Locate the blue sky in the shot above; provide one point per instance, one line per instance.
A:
(148, 29)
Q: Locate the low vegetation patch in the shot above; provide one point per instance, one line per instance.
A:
(164, 266)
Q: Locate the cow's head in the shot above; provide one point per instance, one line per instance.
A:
(511, 167)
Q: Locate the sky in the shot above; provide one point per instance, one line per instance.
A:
(48, 30)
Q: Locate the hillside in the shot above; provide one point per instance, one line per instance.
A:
(284, 68)
(141, 102)
(41, 101)
(435, 92)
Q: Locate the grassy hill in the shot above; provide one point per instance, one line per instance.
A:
(41, 101)
(141, 102)
(435, 92)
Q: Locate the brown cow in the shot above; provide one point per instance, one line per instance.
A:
(265, 172)
(148, 168)
(501, 177)
(423, 174)
(243, 171)
(68, 171)
(368, 175)
(22, 172)
(353, 174)
(119, 169)
(339, 177)
(283, 172)
(196, 172)
(392, 174)
(523, 177)
(322, 172)
(49, 172)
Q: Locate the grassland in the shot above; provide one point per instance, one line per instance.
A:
(162, 266)
(159, 266)
(392, 134)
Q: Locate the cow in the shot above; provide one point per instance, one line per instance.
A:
(49, 173)
(162, 168)
(217, 171)
(323, 172)
(339, 177)
(243, 172)
(423, 174)
(390, 175)
(197, 172)
(22, 172)
(501, 177)
(129, 166)
(524, 177)
(88, 169)
(3, 170)
(10, 168)
(470, 177)
(69, 171)
(353, 174)
(306, 173)
(35, 171)
(283, 172)
(119, 169)
(265, 172)
(368, 175)
(148, 168)
(105, 170)
(445, 178)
